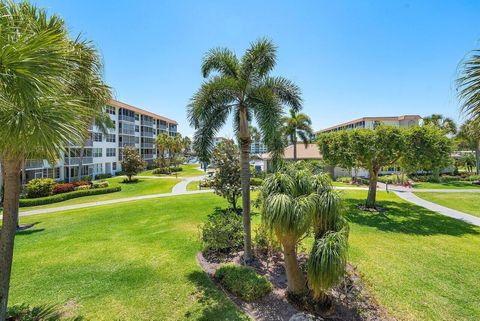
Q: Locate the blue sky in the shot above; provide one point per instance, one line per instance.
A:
(350, 58)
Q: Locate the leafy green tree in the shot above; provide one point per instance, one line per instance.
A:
(242, 87)
(163, 142)
(226, 182)
(371, 149)
(427, 148)
(44, 103)
(446, 124)
(469, 137)
(132, 162)
(295, 201)
(297, 125)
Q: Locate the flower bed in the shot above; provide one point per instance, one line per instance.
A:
(24, 202)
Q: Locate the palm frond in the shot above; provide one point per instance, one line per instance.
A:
(287, 92)
(221, 60)
(468, 85)
(259, 59)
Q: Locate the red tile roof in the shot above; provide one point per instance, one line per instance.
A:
(119, 104)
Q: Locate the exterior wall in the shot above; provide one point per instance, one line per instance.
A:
(138, 131)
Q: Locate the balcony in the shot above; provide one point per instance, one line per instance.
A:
(147, 134)
(34, 163)
(76, 160)
(123, 144)
(148, 123)
(147, 156)
(148, 145)
(126, 118)
(126, 131)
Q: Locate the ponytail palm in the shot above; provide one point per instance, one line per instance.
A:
(244, 88)
(47, 83)
(295, 202)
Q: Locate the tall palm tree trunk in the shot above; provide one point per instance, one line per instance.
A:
(296, 279)
(245, 180)
(477, 159)
(294, 141)
(7, 234)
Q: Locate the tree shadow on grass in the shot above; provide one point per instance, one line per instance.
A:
(407, 218)
(28, 232)
(213, 304)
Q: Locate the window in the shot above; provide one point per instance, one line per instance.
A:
(137, 116)
(114, 124)
(97, 152)
(110, 110)
(137, 128)
(98, 168)
(111, 138)
(114, 166)
(111, 152)
(97, 137)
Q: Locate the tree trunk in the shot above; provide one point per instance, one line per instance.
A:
(477, 159)
(294, 141)
(24, 172)
(7, 234)
(372, 188)
(296, 280)
(245, 180)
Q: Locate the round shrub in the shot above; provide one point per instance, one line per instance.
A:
(161, 171)
(223, 231)
(81, 183)
(100, 184)
(256, 181)
(63, 188)
(243, 281)
(39, 187)
(103, 176)
(83, 187)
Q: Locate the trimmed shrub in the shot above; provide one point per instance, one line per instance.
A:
(66, 196)
(87, 178)
(205, 183)
(223, 231)
(81, 183)
(39, 187)
(100, 184)
(83, 187)
(256, 181)
(474, 178)
(243, 281)
(132, 181)
(176, 169)
(161, 171)
(103, 176)
(63, 188)
(344, 179)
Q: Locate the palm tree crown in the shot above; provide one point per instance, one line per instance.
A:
(468, 85)
(298, 125)
(242, 87)
(444, 123)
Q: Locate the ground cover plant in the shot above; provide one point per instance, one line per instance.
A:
(243, 281)
(143, 263)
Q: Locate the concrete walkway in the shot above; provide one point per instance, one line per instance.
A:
(182, 186)
(412, 198)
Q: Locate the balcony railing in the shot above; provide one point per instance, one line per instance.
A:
(34, 163)
(76, 160)
(147, 134)
(147, 156)
(123, 144)
(126, 131)
(148, 123)
(126, 118)
(148, 145)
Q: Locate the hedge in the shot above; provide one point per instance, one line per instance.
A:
(24, 202)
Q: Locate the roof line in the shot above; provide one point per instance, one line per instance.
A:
(381, 118)
(120, 104)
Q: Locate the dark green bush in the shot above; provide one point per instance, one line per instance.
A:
(256, 181)
(344, 179)
(223, 231)
(243, 281)
(24, 202)
(39, 187)
(161, 171)
(24, 312)
(176, 169)
(103, 176)
(474, 178)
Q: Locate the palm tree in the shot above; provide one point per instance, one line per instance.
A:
(468, 85)
(446, 124)
(298, 124)
(245, 88)
(44, 103)
(469, 136)
(294, 201)
(163, 142)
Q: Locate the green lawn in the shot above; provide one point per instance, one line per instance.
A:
(449, 185)
(136, 261)
(144, 186)
(193, 186)
(188, 170)
(133, 261)
(464, 202)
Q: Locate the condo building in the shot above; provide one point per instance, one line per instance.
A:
(369, 122)
(103, 153)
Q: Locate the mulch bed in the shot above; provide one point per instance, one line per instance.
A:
(351, 299)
